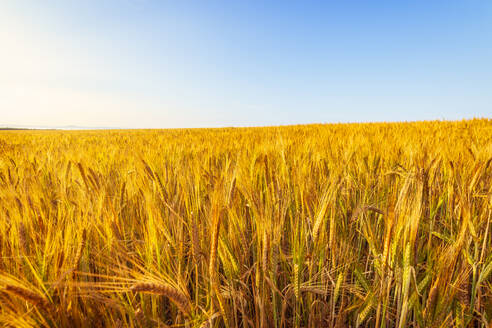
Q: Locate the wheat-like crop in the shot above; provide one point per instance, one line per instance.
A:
(339, 225)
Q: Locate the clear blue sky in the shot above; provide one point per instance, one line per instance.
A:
(138, 63)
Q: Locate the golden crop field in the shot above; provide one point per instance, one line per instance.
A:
(341, 225)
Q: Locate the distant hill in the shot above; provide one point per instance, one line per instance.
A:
(65, 127)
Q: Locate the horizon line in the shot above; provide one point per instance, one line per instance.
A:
(88, 128)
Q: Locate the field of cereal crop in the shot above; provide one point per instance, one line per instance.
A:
(342, 225)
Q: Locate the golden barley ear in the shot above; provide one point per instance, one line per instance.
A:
(265, 261)
(181, 300)
(80, 249)
(432, 299)
(23, 239)
(83, 174)
(29, 296)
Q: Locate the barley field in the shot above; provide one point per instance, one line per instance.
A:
(340, 225)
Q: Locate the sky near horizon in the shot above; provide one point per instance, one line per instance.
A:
(166, 64)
